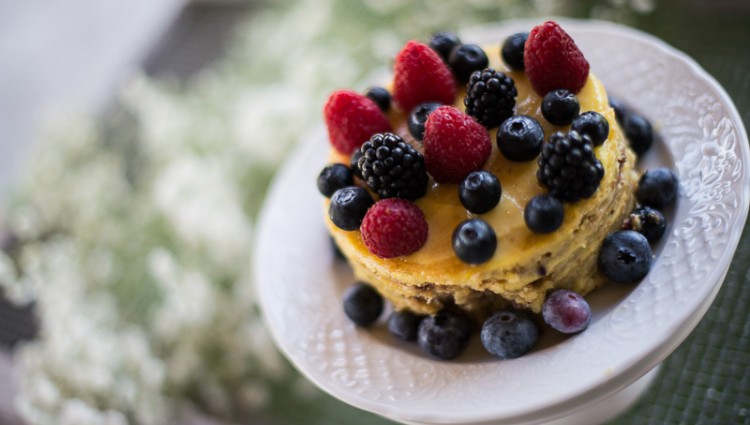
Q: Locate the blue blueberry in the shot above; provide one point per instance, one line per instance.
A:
(657, 188)
(474, 241)
(508, 334)
(418, 117)
(349, 206)
(560, 106)
(445, 335)
(638, 131)
(334, 177)
(404, 325)
(337, 254)
(621, 110)
(647, 221)
(443, 43)
(465, 59)
(566, 311)
(592, 124)
(381, 97)
(512, 50)
(362, 304)
(543, 214)
(520, 138)
(480, 191)
(625, 257)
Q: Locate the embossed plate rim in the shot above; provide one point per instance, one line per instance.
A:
(547, 405)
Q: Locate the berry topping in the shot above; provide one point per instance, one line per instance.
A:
(621, 110)
(394, 227)
(560, 106)
(592, 124)
(638, 132)
(455, 145)
(543, 214)
(334, 177)
(553, 61)
(480, 191)
(337, 254)
(392, 168)
(351, 119)
(362, 304)
(490, 97)
(465, 59)
(648, 222)
(657, 188)
(445, 335)
(566, 311)
(443, 43)
(348, 207)
(512, 50)
(508, 334)
(419, 76)
(520, 138)
(354, 163)
(625, 257)
(418, 117)
(404, 324)
(474, 241)
(380, 96)
(568, 167)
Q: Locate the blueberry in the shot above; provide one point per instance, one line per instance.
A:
(404, 324)
(566, 311)
(354, 163)
(520, 138)
(334, 177)
(625, 256)
(418, 117)
(336, 250)
(559, 107)
(512, 50)
(508, 334)
(465, 59)
(592, 124)
(349, 206)
(474, 241)
(647, 221)
(621, 110)
(657, 188)
(381, 97)
(443, 43)
(444, 335)
(480, 191)
(362, 304)
(638, 132)
(543, 214)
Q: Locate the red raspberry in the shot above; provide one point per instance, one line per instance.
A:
(553, 61)
(419, 76)
(352, 119)
(394, 227)
(454, 145)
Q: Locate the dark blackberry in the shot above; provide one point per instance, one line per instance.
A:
(354, 163)
(392, 168)
(568, 167)
(490, 97)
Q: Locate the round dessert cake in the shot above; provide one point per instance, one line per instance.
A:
(525, 265)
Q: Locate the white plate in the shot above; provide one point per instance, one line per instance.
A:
(300, 284)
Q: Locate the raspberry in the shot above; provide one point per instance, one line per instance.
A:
(454, 145)
(490, 97)
(392, 168)
(394, 227)
(553, 61)
(420, 76)
(351, 119)
(568, 167)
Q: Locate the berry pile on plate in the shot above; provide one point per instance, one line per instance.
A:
(374, 192)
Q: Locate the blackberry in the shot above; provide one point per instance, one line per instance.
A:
(568, 167)
(392, 168)
(354, 163)
(490, 97)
